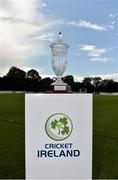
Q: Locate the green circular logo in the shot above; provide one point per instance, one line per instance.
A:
(58, 126)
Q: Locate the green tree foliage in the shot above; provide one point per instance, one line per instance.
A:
(69, 80)
(87, 81)
(18, 80)
(16, 73)
(33, 74)
(107, 85)
(87, 84)
(96, 81)
(45, 83)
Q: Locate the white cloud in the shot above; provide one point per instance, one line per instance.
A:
(44, 5)
(47, 37)
(77, 78)
(92, 26)
(87, 47)
(24, 32)
(113, 76)
(112, 48)
(113, 15)
(96, 54)
(101, 59)
(113, 22)
(85, 24)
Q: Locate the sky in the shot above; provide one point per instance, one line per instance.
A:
(90, 27)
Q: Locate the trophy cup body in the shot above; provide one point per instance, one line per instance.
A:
(59, 51)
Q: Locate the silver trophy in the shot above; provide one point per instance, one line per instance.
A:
(59, 51)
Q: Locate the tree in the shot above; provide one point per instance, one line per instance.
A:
(96, 82)
(45, 83)
(33, 74)
(77, 86)
(69, 80)
(87, 82)
(16, 73)
(17, 80)
(108, 85)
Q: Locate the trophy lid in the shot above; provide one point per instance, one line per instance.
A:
(59, 42)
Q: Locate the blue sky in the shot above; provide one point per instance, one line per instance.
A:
(99, 12)
(90, 27)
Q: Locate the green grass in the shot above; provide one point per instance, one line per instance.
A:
(12, 143)
(12, 160)
(105, 140)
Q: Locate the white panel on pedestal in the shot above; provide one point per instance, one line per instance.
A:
(58, 136)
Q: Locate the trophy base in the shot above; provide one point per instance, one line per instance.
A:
(59, 89)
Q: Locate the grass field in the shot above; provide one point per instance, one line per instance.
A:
(105, 140)
(105, 137)
(12, 159)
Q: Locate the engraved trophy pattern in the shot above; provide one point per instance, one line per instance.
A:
(59, 59)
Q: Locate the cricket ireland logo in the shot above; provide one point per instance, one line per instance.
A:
(58, 126)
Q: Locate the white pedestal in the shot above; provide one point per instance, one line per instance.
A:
(58, 132)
